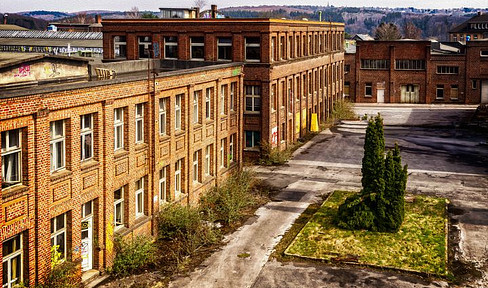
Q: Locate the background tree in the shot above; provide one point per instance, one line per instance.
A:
(133, 13)
(411, 31)
(200, 4)
(149, 15)
(387, 32)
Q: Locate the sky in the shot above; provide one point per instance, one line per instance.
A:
(152, 5)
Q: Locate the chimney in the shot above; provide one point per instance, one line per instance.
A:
(5, 16)
(99, 19)
(214, 11)
(197, 12)
(480, 13)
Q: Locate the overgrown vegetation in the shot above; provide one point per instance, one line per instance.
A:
(343, 110)
(133, 254)
(380, 204)
(274, 156)
(419, 245)
(63, 274)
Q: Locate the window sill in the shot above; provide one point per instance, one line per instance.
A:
(252, 149)
(197, 126)
(60, 174)
(120, 153)
(209, 121)
(87, 164)
(141, 146)
(164, 138)
(11, 191)
(368, 96)
(252, 112)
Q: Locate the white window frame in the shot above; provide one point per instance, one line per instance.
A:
(178, 102)
(118, 124)
(254, 108)
(208, 155)
(197, 44)
(57, 232)
(117, 45)
(178, 183)
(224, 44)
(121, 203)
(232, 95)
(223, 88)
(163, 188)
(55, 140)
(231, 148)
(11, 151)
(167, 44)
(139, 186)
(196, 98)
(162, 116)
(222, 153)
(9, 258)
(208, 103)
(139, 118)
(195, 167)
(86, 136)
(252, 45)
(366, 85)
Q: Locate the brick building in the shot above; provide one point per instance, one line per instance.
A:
(408, 71)
(476, 28)
(84, 161)
(292, 69)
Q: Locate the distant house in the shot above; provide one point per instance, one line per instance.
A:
(185, 13)
(77, 27)
(475, 28)
(362, 37)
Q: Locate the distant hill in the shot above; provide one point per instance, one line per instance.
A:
(47, 15)
(25, 21)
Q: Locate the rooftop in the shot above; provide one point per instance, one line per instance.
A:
(12, 27)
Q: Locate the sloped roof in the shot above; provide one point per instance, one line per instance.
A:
(52, 35)
(362, 37)
(12, 27)
(10, 59)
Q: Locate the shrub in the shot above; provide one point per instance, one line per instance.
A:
(228, 201)
(63, 274)
(273, 156)
(132, 255)
(343, 110)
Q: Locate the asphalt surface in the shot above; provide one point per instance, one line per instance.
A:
(444, 161)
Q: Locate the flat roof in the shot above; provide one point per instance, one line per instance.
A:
(220, 20)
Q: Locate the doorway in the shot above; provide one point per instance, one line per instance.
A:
(87, 236)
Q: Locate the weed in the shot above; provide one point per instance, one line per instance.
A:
(132, 255)
(343, 110)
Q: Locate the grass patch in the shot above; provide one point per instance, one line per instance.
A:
(244, 255)
(420, 244)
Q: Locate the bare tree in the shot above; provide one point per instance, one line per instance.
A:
(410, 31)
(133, 13)
(200, 4)
(387, 32)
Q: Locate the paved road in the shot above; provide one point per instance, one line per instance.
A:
(446, 162)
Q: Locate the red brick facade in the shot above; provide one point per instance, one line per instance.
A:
(48, 190)
(416, 72)
(302, 61)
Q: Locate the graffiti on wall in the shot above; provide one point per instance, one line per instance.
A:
(23, 71)
(48, 49)
(51, 70)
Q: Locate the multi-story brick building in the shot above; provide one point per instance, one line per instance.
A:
(476, 28)
(408, 71)
(292, 69)
(85, 161)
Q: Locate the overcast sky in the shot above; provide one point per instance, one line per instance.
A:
(152, 5)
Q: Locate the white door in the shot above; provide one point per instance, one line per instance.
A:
(380, 95)
(409, 93)
(86, 244)
(484, 91)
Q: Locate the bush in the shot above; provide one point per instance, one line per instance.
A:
(343, 110)
(63, 274)
(228, 201)
(132, 255)
(273, 156)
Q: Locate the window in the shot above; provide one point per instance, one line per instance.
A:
(197, 48)
(57, 144)
(222, 153)
(282, 48)
(223, 90)
(86, 137)
(145, 47)
(253, 98)
(410, 64)
(196, 161)
(447, 70)
(273, 97)
(474, 84)
(119, 208)
(86, 210)
(139, 123)
(368, 90)
(376, 64)
(118, 128)
(208, 103)
(290, 95)
(439, 92)
(283, 132)
(140, 197)
(232, 95)
(484, 53)
(253, 49)
(283, 93)
(224, 48)
(208, 156)
(252, 138)
(11, 157)
(197, 95)
(178, 168)
(162, 116)
(170, 47)
(346, 88)
(231, 148)
(347, 68)
(120, 47)
(454, 92)
(273, 47)
(163, 186)
(58, 235)
(178, 101)
(13, 267)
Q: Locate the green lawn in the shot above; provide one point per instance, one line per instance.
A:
(419, 245)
